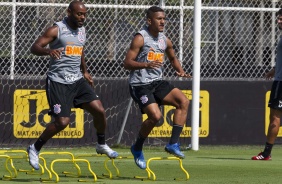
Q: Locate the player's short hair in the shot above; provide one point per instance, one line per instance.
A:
(152, 10)
(279, 13)
(73, 3)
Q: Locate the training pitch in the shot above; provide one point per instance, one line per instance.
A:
(210, 164)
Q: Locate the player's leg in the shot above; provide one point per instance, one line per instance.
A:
(60, 102)
(145, 99)
(87, 99)
(272, 133)
(96, 109)
(174, 97)
(52, 129)
(274, 119)
(154, 115)
(274, 125)
(273, 129)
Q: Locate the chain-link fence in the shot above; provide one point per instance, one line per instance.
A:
(238, 42)
(238, 37)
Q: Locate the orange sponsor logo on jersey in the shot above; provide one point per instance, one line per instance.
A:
(72, 50)
(155, 56)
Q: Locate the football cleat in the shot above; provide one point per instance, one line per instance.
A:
(33, 157)
(138, 158)
(105, 149)
(174, 149)
(261, 157)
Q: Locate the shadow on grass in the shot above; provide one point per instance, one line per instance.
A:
(21, 180)
(224, 158)
(99, 177)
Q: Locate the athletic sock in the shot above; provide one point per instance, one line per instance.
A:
(267, 149)
(139, 142)
(176, 131)
(101, 138)
(39, 143)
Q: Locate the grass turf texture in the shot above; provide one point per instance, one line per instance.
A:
(211, 164)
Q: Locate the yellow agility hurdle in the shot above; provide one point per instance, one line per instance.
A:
(12, 174)
(110, 175)
(73, 161)
(93, 155)
(109, 172)
(150, 172)
(14, 154)
(48, 170)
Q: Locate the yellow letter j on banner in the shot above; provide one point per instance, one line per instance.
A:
(164, 127)
(31, 116)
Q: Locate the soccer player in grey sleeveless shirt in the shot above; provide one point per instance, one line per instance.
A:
(68, 82)
(145, 59)
(275, 100)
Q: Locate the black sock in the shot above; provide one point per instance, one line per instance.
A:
(139, 143)
(101, 138)
(176, 131)
(267, 149)
(38, 144)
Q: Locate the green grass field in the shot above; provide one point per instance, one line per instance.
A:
(211, 164)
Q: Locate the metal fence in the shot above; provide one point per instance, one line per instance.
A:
(238, 37)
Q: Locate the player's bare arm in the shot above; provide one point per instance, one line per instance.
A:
(84, 71)
(135, 46)
(269, 75)
(39, 46)
(174, 61)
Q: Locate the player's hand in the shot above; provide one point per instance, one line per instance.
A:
(56, 53)
(183, 74)
(269, 75)
(89, 78)
(154, 64)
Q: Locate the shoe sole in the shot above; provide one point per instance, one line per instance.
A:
(178, 156)
(106, 155)
(263, 159)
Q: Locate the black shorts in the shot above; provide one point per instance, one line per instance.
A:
(63, 97)
(151, 93)
(275, 100)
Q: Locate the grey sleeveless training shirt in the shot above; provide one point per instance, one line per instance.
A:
(66, 70)
(278, 67)
(153, 49)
